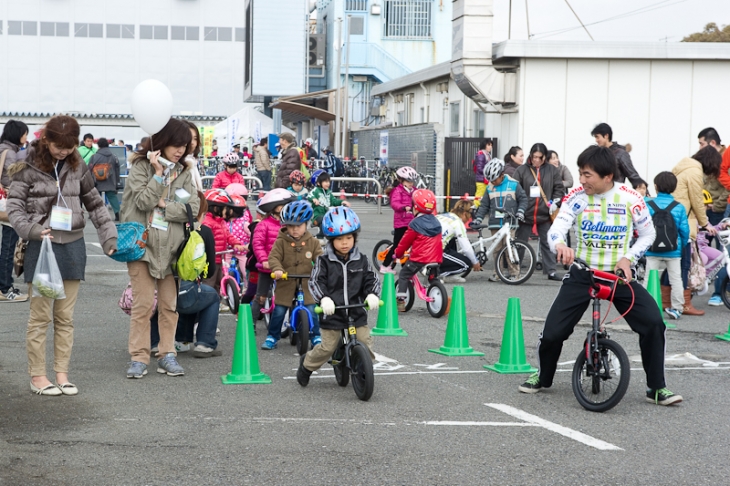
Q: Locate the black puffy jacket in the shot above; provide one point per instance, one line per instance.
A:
(346, 282)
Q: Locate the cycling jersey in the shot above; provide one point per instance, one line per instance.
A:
(452, 227)
(603, 226)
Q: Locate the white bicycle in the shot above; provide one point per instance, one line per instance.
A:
(515, 262)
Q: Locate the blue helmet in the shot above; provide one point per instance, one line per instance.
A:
(315, 175)
(340, 221)
(296, 212)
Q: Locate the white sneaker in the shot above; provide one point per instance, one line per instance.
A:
(223, 308)
(455, 279)
(182, 347)
(384, 270)
(13, 295)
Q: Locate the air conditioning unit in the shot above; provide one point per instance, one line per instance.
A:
(317, 49)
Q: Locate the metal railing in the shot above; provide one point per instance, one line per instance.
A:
(210, 178)
(367, 55)
(366, 179)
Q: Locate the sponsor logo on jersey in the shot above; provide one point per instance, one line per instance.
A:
(637, 208)
(616, 211)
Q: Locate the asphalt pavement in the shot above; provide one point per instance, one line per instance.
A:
(431, 420)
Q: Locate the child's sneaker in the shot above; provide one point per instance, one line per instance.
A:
(169, 365)
(384, 270)
(182, 347)
(223, 308)
(715, 301)
(455, 279)
(673, 313)
(532, 385)
(269, 344)
(401, 305)
(202, 351)
(303, 373)
(494, 278)
(662, 397)
(316, 340)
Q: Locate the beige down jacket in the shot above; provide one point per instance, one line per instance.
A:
(690, 183)
(34, 192)
(141, 195)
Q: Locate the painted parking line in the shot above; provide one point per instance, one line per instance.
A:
(553, 427)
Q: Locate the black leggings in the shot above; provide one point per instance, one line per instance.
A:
(397, 236)
(569, 306)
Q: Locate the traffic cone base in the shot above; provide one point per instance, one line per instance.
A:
(512, 354)
(388, 313)
(245, 363)
(456, 341)
(655, 290)
(724, 337)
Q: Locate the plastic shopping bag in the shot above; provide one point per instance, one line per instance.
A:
(47, 281)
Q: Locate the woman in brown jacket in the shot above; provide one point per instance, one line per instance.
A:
(53, 174)
(290, 160)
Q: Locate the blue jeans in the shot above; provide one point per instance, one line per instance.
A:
(200, 307)
(265, 176)
(10, 238)
(718, 281)
(277, 319)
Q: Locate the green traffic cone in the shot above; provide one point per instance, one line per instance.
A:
(456, 341)
(655, 290)
(388, 312)
(245, 366)
(724, 337)
(512, 355)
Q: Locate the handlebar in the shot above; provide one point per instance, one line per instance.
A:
(224, 252)
(318, 309)
(286, 276)
(613, 277)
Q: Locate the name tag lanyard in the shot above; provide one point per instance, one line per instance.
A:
(61, 216)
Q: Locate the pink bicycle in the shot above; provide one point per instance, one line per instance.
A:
(435, 295)
(230, 289)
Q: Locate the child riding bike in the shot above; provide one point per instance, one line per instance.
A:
(263, 239)
(401, 201)
(341, 276)
(230, 174)
(293, 253)
(322, 198)
(502, 194)
(423, 238)
(453, 231)
(219, 212)
(297, 188)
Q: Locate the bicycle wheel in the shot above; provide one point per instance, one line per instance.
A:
(440, 297)
(342, 374)
(599, 385)
(361, 366)
(303, 332)
(519, 272)
(725, 294)
(232, 297)
(378, 255)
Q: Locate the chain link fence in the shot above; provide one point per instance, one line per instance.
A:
(413, 145)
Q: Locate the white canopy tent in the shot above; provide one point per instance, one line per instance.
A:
(245, 127)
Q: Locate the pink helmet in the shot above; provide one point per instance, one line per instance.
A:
(237, 189)
(407, 173)
(231, 159)
(272, 199)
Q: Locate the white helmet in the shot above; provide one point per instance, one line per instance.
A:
(493, 169)
(309, 142)
(407, 173)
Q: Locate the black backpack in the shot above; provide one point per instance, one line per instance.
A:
(666, 228)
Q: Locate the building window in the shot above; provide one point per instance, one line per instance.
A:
(455, 117)
(160, 32)
(423, 115)
(357, 25)
(240, 34)
(120, 31)
(1, 27)
(401, 118)
(88, 30)
(224, 34)
(210, 33)
(407, 19)
(30, 28)
(184, 33)
(356, 5)
(22, 27)
(479, 123)
(157, 32)
(127, 31)
(54, 29)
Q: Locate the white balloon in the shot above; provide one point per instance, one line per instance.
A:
(151, 105)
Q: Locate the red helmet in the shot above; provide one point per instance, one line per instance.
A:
(297, 177)
(217, 197)
(238, 201)
(424, 201)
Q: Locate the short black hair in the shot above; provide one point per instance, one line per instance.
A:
(603, 129)
(88, 135)
(710, 159)
(709, 134)
(665, 182)
(120, 140)
(485, 142)
(14, 131)
(264, 141)
(102, 142)
(324, 176)
(598, 159)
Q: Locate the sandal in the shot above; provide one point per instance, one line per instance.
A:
(68, 388)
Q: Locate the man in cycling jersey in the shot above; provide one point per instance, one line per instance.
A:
(603, 213)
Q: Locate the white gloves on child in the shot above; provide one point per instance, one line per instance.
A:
(327, 305)
(373, 301)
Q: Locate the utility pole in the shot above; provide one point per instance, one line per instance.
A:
(345, 134)
(509, 28)
(527, 13)
(338, 99)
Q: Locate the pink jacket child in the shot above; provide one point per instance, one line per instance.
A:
(223, 238)
(263, 239)
(400, 199)
(239, 228)
(223, 179)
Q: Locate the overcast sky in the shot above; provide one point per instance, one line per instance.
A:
(654, 21)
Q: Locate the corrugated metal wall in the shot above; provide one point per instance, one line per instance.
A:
(413, 145)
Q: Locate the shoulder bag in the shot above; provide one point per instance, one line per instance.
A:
(3, 194)
(544, 197)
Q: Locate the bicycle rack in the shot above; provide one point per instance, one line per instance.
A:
(366, 179)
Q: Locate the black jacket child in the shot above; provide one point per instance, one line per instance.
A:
(329, 278)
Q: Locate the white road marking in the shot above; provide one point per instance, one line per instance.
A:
(384, 359)
(437, 366)
(98, 245)
(465, 372)
(553, 427)
(483, 424)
